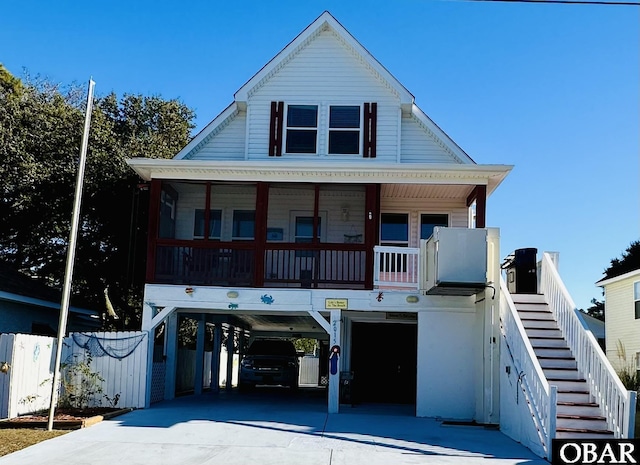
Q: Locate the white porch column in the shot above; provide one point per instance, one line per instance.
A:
(147, 315)
(172, 356)
(197, 382)
(334, 378)
(241, 340)
(215, 358)
(230, 337)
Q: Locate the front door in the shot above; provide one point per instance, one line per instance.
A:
(384, 362)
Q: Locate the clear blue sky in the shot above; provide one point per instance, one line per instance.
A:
(552, 89)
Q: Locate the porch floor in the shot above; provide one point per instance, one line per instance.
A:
(273, 428)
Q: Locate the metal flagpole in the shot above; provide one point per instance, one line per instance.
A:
(71, 251)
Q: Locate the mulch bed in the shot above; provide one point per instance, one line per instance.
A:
(64, 418)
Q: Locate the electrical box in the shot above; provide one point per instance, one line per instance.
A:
(454, 261)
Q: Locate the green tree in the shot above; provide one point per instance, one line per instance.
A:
(40, 131)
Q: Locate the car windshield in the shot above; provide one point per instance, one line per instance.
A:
(271, 348)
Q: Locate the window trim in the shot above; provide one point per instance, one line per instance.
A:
(360, 128)
(636, 299)
(286, 127)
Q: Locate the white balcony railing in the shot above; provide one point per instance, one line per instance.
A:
(396, 267)
(617, 404)
(541, 397)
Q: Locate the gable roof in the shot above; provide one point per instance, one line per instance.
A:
(324, 21)
(607, 281)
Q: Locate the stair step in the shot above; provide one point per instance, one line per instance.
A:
(571, 374)
(577, 408)
(580, 434)
(553, 352)
(548, 342)
(538, 324)
(570, 385)
(551, 363)
(543, 332)
(573, 397)
(590, 424)
(532, 306)
(536, 315)
(527, 298)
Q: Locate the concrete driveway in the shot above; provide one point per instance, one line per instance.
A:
(273, 428)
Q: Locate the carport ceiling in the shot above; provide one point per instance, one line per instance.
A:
(282, 322)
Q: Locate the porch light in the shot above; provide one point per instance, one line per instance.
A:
(412, 299)
(232, 294)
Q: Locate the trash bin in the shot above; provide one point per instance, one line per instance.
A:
(346, 387)
(521, 269)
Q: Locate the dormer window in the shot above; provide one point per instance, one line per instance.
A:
(323, 129)
(302, 129)
(344, 130)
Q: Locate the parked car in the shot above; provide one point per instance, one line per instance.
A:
(271, 362)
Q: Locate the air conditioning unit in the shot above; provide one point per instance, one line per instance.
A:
(454, 261)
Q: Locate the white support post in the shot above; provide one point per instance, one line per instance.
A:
(147, 315)
(197, 382)
(334, 378)
(172, 357)
(230, 337)
(241, 339)
(215, 358)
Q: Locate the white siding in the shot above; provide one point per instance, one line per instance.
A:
(621, 324)
(228, 143)
(418, 146)
(325, 72)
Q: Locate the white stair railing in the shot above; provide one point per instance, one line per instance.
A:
(396, 267)
(541, 397)
(617, 403)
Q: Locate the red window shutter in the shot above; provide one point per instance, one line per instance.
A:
(370, 129)
(275, 129)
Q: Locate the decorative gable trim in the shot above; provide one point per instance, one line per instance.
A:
(440, 137)
(323, 23)
(210, 130)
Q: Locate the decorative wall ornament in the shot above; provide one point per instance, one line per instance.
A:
(267, 299)
(233, 306)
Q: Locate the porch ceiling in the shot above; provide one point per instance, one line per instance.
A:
(286, 323)
(425, 191)
(286, 170)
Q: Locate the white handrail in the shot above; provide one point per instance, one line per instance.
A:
(396, 266)
(617, 404)
(541, 396)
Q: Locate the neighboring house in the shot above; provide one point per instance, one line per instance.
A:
(622, 315)
(323, 203)
(29, 307)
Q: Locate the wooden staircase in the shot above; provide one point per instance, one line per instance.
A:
(577, 416)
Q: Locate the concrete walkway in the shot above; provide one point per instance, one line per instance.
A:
(273, 429)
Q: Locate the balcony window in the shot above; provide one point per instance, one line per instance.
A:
(302, 128)
(215, 224)
(394, 229)
(430, 221)
(244, 222)
(344, 130)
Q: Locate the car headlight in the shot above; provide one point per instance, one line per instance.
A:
(291, 364)
(247, 363)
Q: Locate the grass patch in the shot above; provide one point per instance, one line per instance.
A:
(12, 440)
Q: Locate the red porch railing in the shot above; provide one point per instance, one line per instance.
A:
(236, 263)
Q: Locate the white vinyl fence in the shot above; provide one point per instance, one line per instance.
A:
(118, 358)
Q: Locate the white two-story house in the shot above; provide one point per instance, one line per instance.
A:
(304, 210)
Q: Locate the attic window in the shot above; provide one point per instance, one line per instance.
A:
(302, 128)
(344, 130)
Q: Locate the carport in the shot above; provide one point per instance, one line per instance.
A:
(268, 319)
